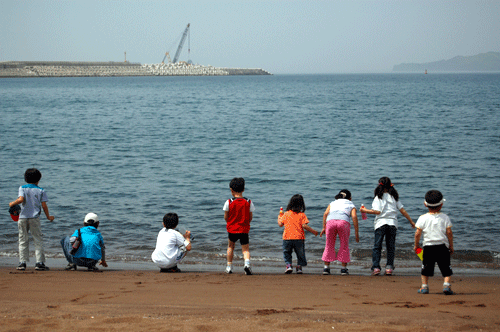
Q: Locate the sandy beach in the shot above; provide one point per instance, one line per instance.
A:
(114, 300)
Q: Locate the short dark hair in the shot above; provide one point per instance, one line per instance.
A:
(433, 196)
(170, 220)
(296, 204)
(237, 184)
(344, 193)
(32, 175)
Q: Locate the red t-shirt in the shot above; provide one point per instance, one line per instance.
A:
(238, 219)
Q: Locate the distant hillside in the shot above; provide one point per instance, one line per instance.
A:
(482, 62)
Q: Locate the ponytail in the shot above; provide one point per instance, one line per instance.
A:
(385, 186)
(344, 193)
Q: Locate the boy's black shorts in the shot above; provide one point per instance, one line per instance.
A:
(243, 237)
(439, 254)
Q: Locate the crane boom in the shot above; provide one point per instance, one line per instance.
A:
(179, 49)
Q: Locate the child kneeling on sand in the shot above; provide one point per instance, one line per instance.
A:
(88, 246)
(171, 246)
(438, 241)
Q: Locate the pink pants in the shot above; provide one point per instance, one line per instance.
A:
(343, 229)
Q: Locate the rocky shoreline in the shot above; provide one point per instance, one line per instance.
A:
(108, 69)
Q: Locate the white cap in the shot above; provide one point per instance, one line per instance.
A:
(91, 216)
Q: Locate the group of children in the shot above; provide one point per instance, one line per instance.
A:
(86, 246)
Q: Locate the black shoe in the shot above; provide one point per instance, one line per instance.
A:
(71, 266)
(326, 271)
(248, 270)
(92, 269)
(174, 269)
(344, 272)
(21, 266)
(41, 267)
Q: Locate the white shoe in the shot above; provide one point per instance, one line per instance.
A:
(229, 269)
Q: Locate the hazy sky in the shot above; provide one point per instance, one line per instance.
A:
(279, 36)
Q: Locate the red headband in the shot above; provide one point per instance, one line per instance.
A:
(381, 184)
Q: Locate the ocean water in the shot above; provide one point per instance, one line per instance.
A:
(134, 148)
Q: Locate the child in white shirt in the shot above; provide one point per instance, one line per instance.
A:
(171, 246)
(435, 226)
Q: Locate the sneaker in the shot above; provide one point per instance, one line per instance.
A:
(21, 266)
(326, 271)
(174, 269)
(423, 290)
(344, 272)
(248, 270)
(448, 291)
(376, 272)
(71, 266)
(41, 267)
(93, 269)
(388, 272)
(289, 269)
(299, 269)
(229, 269)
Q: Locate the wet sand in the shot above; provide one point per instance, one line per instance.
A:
(146, 300)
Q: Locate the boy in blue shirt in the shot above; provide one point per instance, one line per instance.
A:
(91, 250)
(32, 199)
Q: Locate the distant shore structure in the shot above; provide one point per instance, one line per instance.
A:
(11, 69)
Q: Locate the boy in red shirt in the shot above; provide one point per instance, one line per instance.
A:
(238, 213)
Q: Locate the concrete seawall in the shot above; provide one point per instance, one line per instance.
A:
(107, 69)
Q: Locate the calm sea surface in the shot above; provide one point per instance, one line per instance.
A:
(134, 148)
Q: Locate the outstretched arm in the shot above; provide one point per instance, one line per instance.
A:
(365, 210)
(407, 216)
(310, 230)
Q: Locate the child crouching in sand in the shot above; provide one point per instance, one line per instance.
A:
(171, 246)
(88, 245)
(435, 226)
(295, 222)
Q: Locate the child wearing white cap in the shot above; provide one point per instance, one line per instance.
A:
(435, 226)
(91, 249)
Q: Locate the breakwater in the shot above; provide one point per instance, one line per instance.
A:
(106, 69)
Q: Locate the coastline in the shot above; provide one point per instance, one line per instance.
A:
(144, 300)
(18, 69)
(261, 267)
